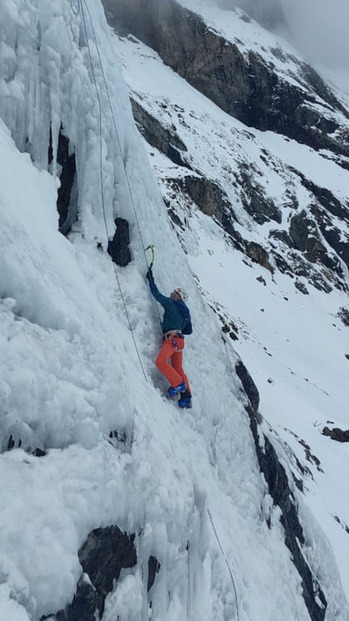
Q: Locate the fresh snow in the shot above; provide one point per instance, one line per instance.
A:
(78, 340)
(293, 345)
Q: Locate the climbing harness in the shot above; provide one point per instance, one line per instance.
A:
(171, 334)
(176, 338)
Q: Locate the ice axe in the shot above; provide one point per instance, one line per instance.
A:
(151, 247)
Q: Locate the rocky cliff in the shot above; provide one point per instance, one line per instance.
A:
(266, 89)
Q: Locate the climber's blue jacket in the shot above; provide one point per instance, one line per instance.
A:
(176, 315)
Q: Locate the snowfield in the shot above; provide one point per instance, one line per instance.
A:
(78, 339)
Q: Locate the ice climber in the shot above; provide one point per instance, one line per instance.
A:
(175, 324)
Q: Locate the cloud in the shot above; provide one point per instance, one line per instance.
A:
(320, 28)
(317, 28)
(268, 12)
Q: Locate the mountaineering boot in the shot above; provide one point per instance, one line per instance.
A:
(185, 400)
(174, 390)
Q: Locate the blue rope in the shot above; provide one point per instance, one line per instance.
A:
(227, 563)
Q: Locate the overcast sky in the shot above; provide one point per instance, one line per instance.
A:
(318, 28)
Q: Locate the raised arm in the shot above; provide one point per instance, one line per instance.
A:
(162, 299)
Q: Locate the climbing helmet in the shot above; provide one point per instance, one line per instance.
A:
(182, 292)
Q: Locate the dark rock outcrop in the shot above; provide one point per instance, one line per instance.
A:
(343, 314)
(26, 444)
(248, 384)
(153, 570)
(336, 434)
(282, 495)
(301, 287)
(207, 195)
(306, 238)
(87, 603)
(102, 557)
(248, 87)
(67, 200)
(229, 328)
(258, 254)
(279, 489)
(326, 199)
(210, 199)
(257, 205)
(282, 236)
(301, 228)
(160, 137)
(244, 86)
(334, 238)
(118, 247)
(104, 554)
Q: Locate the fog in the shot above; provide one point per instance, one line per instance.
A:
(317, 28)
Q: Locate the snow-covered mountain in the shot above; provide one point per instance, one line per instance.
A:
(116, 504)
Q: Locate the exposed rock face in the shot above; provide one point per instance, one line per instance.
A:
(310, 232)
(210, 199)
(17, 434)
(306, 237)
(104, 554)
(259, 255)
(343, 314)
(208, 196)
(67, 192)
(153, 569)
(228, 326)
(336, 434)
(305, 244)
(260, 208)
(301, 287)
(300, 229)
(249, 386)
(311, 244)
(244, 86)
(326, 199)
(163, 139)
(118, 247)
(282, 495)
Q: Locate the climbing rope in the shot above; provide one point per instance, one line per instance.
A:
(115, 125)
(117, 136)
(227, 563)
(81, 5)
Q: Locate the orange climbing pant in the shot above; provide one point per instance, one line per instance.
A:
(171, 350)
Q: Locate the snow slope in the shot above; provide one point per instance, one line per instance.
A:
(295, 346)
(65, 384)
(78, 341)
